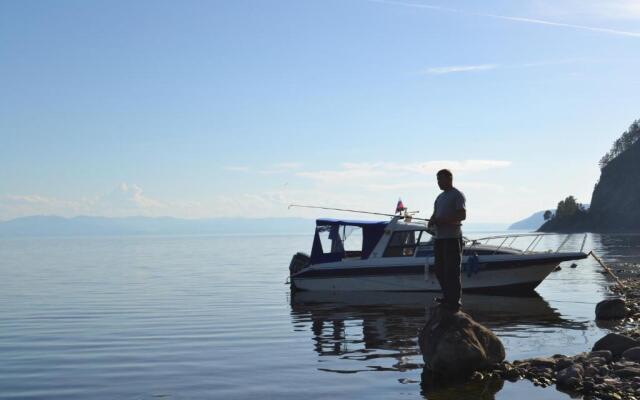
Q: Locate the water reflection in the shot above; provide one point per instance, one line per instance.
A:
(433, 389)
(365, 326)
(621, 247)
(377, 331)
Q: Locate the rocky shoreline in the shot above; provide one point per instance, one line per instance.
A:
(611, 370)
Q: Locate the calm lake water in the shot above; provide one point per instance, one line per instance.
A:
(211, 317)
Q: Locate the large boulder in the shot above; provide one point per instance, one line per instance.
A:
(615, 343)
(611, 309)
(454, 345)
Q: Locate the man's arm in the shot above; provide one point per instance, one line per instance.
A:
(461, 215)
(432, 220)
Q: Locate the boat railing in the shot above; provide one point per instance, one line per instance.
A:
(509, 240)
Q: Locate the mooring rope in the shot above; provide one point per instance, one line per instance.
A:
(592, 254)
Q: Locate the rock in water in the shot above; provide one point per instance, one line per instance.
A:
(454, 345)
(570, 377)
(615, 343)
(611, 309)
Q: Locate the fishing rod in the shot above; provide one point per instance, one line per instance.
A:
(407, 214)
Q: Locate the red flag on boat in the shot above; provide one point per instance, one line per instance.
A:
(400, 207)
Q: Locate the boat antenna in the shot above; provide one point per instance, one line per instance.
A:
(407, 214)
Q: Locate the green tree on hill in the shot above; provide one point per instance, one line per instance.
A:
(569, 216)
(621, 144)
(568, 208)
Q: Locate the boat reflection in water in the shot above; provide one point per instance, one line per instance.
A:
(378, 331)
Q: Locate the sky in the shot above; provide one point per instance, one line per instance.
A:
(201, 109)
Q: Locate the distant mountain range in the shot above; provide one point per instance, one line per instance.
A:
(531, 223)
(99, 226)
(534, 221)
(103, 226)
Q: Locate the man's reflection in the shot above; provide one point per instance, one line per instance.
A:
(433, 388)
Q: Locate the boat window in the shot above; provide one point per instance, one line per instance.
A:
(341, 240)
(402, 244)
(425, 238)
(351, 241)
(330, 239)
(425, 245)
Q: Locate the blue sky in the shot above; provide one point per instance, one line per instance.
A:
(226, 108)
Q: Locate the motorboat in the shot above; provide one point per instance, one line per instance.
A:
(398, 255)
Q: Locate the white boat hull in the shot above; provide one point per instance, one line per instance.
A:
(419, 277)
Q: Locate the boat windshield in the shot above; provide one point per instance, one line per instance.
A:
(404, 243)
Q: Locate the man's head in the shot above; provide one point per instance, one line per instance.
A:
(445, 179)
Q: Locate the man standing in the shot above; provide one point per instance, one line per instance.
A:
(448, 212)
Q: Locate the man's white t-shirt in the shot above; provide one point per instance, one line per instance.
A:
(445, 206)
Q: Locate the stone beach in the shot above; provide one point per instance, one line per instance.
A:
(610, 370)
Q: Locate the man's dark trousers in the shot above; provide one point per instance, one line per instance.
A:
(448, 254)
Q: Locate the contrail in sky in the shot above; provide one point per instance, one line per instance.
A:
(511, 18)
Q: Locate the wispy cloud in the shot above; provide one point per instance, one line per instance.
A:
(275, 168)
(349, 172)
(416, 5)
(287, 165)
(363, 171)
(457, 166)
(12, 206)
(459, 68)
(236, 168)
(367, 186)
(124, 200)
(563, 25)
(610, 9)
(486, 67)
(527, 20)
(394, 187)
(279, 168)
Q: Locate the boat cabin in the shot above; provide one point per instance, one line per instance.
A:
(338, 239)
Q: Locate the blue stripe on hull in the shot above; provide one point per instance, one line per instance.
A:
(517, 289)
(419, 269)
